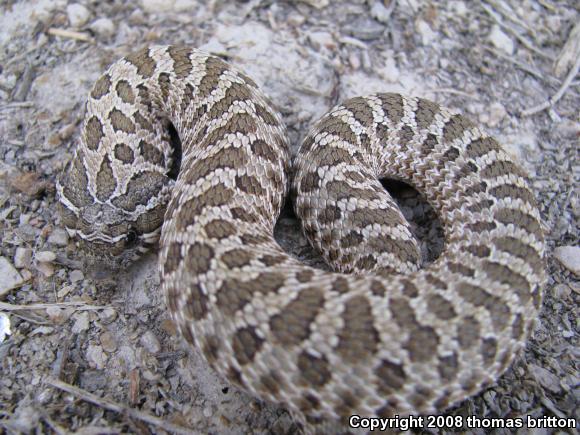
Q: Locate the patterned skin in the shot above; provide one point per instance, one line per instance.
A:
(379, 336)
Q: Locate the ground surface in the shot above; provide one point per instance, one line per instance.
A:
(493, 60)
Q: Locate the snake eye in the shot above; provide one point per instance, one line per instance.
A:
(131, 239)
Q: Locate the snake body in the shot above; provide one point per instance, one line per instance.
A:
(377, 337)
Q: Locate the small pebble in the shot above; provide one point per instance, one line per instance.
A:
(546, 378)
(22, 257)
(501, 41)
(425, 31)
(78, 15)
(96, 357)
(103, 27)
(81, 322)
(569, 257)
(108, 342)
(150, 342)
(10, 276)
(46, 269)
(108, 315)
(76, 275)
(58, 237)
(380, 12)
(156, 6)
(45, 256)
(320, 40)
(494, 114)
(366, 30)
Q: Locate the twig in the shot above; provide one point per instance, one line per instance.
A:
(452, 91)
(509, 15)
(554, 99)
(523, 66)
(82, 306)
(71, 34)
(17, 105)
(519, 37)
(116, 407)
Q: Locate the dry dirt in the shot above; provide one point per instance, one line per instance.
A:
(111, 341)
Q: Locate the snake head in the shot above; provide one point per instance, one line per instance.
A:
(110, 232)
(108, 242)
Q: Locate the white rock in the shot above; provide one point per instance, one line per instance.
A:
(494, 114)
(76, 275)
(10, 276)
(459, 8)
(546, 378)
(103, 27)
(427, 34)
(150, 342)
(81, 322)
(318, 4)
(154, 6)
(321, 40)
(78, 15)
(380, 12)
(185, 5)
(22, 257)
(96, 357)
(58, 237)
(390, 70)
(569, 256)
(4, 327)
(501, 41)
(45, 256)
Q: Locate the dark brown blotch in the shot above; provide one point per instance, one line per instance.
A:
(125, 91)
(93, 133)
(456, 127)
(361, 111)
(144, 63)
(197, 301)
(425, 113)
(151, 153)
(249, 184)
(265, 150)
(441, 307)
(102, 87)
(393, 106)
(337, 127)
(315, 371)
(211, 347)
(237, 257)
(219, 229)
(422, 344)
(199, 256)
(124, 153)
(448, 367)
(106, 182)
(292, 325)
(390, 377)
(141, 188)
(520, 219)
(120, 122)
(488, 350)
(246, 344)
(468, 332)
(480, 147)
(181, 63)
(358, 340)
(173, 258)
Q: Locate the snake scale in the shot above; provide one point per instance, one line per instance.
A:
(379, 336)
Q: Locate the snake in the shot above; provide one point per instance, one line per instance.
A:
(378, 335)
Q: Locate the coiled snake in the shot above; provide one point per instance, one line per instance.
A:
(377, 337)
